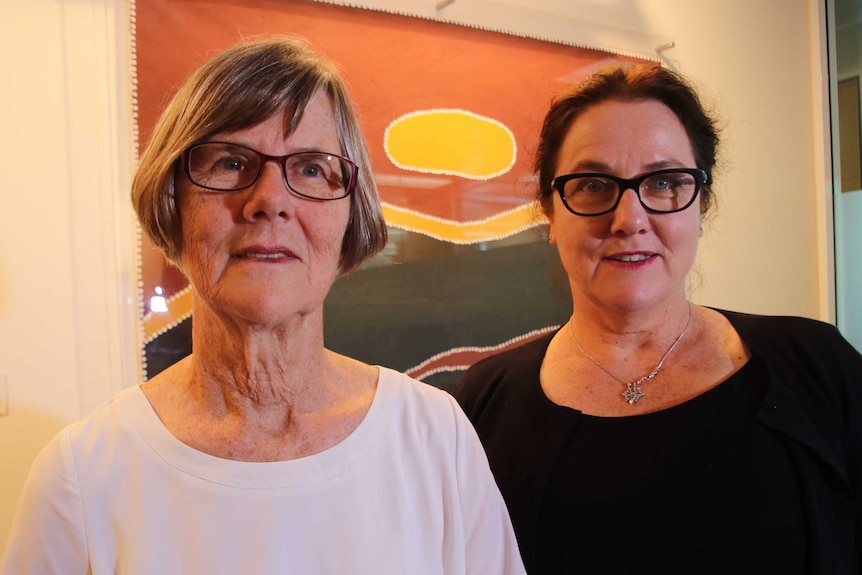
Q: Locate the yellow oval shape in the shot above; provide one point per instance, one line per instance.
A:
(452, 142)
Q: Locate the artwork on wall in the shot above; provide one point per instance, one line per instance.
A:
(849, 134)
(452, 116)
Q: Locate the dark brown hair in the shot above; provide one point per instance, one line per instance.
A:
(626, 84)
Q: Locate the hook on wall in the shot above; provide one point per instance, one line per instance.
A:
(661, 48)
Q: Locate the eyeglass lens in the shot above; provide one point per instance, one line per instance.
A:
(664, 192)
(227, 167)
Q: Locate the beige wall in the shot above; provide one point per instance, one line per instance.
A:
(766, 251)
(66, 246)
(67, 285)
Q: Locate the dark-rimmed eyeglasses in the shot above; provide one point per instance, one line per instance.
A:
(662, 192)
(226, 167)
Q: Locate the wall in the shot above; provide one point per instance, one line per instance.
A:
(67, 278)
(67, 287)
(768, 249)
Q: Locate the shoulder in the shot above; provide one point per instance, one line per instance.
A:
(502, 374)
(522, 359)
(75, 465)
(807, 357)
(789, 326)
(411, 391)
(88, 449)
(418, 418)
(55, 465)
(525, 354)
(109, 422)
(101, 425)
(797, 337)
(413, 402)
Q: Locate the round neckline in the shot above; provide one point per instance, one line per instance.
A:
(309, 470)
(575, 412)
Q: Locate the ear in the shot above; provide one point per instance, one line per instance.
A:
(552, 237)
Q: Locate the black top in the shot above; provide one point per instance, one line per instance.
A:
(809, 420)
(697, 488)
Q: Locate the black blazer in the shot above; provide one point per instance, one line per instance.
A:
(813, 401)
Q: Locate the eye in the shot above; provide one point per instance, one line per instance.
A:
(671, 183)
(234, 164)
(310, 170)
(220, 158)
(661, 183)
(222, 166)
(596, 186)
(310, 166)
(590, 186)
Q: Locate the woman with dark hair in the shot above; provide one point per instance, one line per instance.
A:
(263, 452)
(650, 434)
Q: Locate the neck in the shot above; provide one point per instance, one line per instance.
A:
(629, 329)
(236, 366)
(633, 366)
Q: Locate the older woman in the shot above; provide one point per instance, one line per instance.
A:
(649, 434)
(263, 452)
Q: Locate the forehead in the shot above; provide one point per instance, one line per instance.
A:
(319, 116)
(316, 130)
(628, 136)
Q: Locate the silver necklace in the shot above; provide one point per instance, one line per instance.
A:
(633, 392)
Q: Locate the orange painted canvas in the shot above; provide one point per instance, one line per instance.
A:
(452, 116)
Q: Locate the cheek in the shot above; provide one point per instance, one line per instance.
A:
(210, 215)
(684, 236)
(575, 244)
(556, 214)
(569, 232)
(324, 232)
(204, 229)
(332, 224)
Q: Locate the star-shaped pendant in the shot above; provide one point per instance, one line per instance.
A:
(633, 393)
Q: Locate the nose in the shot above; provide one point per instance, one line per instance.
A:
(269, 197)
(630, 216)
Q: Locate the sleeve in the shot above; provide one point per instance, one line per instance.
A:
(491, 547)
(850, 365)
(838, 368)
(817, 377)
(47, 536)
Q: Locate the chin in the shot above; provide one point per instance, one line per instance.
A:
(633, 302)
(266, 310)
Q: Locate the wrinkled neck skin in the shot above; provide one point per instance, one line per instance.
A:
(238, 366)
(261, 393)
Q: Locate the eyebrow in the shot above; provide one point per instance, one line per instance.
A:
(301, 150)
(601, 167)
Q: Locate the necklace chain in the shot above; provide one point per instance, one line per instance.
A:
(633, 392)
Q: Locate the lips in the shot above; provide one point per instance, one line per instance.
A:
(631, 258)
(265, 254)
(272, 256)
